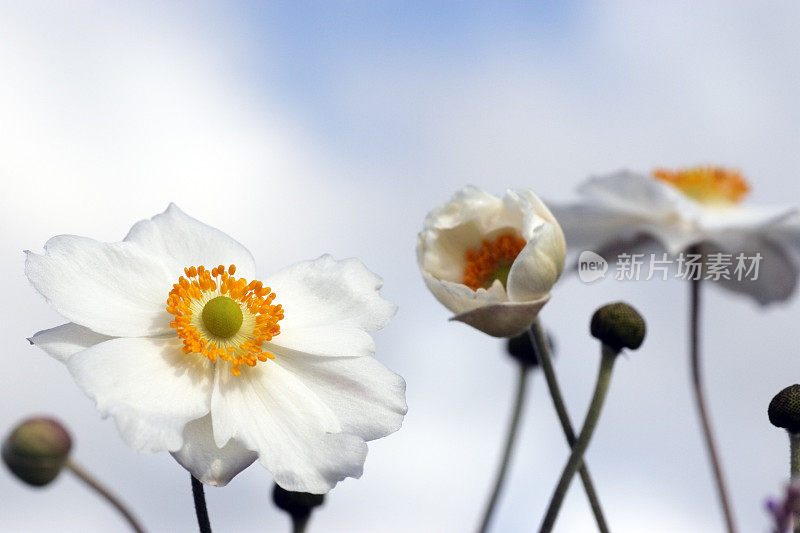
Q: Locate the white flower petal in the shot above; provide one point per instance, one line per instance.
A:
(63, 341)
(459, 298)
(295, 434)
(471, 216)
(589, 227)
(148, 385)
(186, 241)
(637, 194)
(538, 266)
(642, 244)
(117, 289)
(745, 218)
(468, 205)
(205, 460)
(329, 306)
(777, 270)
(368, 399)
(506, 319)
(788, 232)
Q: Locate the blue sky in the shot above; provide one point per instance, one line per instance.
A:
(306, 54)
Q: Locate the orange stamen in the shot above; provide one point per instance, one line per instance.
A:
(189, 295)
(483, 263)
(707, 184)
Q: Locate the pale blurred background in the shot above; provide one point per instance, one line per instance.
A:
(323, 127)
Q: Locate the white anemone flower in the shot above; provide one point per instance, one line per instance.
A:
(217, 369)
(492, 261)
(685, 211)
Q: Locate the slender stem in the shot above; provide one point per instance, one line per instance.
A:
(519, 402)
(794, 454)
(576, 457)
(700, 401)
(87, 478)
(299, 524)
(200, 506)
(539, 341)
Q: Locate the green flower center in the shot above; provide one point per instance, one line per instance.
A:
(222, 317)
(501, 272)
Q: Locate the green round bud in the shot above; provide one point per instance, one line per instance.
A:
(36, 450)
(618, 326)
(521, 349)
(784, 409)
(297, 504)
(222, 317)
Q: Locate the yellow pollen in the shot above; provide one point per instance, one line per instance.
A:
(707, 184)
(203, 305)
(491, 261)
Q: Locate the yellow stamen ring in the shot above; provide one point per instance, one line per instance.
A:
(491, 261)
(222, 317)
(707, 184)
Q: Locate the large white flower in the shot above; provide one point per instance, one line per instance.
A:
(492, 261)
(692, 209)
(218, 369)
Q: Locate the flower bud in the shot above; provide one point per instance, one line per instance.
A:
(298, 505)
(36, 450)
(618, 326)
(521, 348)
(784, 409)
(492, 261)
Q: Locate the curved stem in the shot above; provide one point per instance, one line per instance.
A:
(539, 341)
(702, 409)
(576, 457)
(200, 508)
(519, 402)
(87, 478)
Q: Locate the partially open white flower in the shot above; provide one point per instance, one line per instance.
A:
(222, 370)
(492, 261)
(691, 209)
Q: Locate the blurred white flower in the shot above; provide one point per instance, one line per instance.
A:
(690, 209)
(220, 371)
(492, 261)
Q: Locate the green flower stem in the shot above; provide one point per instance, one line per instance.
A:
(539, 342)
(576, 457)
(203, 523)
(702, 409)
(794, 454)
(95, 485)
(519, 402)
